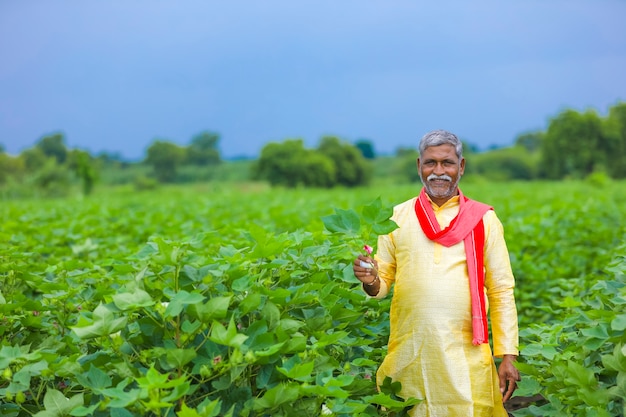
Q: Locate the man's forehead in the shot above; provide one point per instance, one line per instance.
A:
(440, 150)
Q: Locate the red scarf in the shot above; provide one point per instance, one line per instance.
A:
(468, 227)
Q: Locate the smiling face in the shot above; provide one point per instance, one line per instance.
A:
(440, 171)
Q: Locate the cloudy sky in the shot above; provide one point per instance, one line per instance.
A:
(115, 75)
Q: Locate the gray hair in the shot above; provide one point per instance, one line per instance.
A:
(441, 137)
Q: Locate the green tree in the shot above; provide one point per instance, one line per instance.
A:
(53, 178)
(54, 146)
(469, 148)
(165, 158)
(34, 159)
(351, 168)
(10, 167)
(531, 141)
(290, 164)
(615, 134)
(404, 150)
(203, 149)
(366, 147)
(573, 145)
(316, 170)
(84, 166)
(406, 165)
(513, 163)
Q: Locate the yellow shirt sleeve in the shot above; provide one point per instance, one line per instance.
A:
(499, 286)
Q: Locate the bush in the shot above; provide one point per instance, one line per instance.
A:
(143, 182)
(10, 167)
(503, 164)
(53, 180)
(333, 163)
(351, 167)
(598, 179)
(290, 164)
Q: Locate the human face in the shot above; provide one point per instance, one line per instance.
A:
(440, 171)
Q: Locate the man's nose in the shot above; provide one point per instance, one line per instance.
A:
(439, 170)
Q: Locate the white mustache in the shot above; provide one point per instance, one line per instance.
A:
(439, 177)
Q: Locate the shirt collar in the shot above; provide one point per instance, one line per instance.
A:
(452, 202)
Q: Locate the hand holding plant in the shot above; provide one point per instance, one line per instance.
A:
(368, 261)
(373, 221)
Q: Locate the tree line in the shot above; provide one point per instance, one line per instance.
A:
(574, 145)
(50, 166)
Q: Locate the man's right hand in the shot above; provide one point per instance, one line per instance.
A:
(366, 274)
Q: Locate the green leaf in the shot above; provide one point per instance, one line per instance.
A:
(21, 378)
(390, 403)
(177, 358)
(378, 217)
(121, 398)
(619, 323)
(271, 314)
(528, 387)
(299, 372)
(251, 302)
(96, 380)
(82, 411)
(129, 301)
(286, 328)
(343, 221)
(385, 227)
(187, 412)
(599, 332)
(180, 300)
(227, 336)
(374, 212)
(178, 391)
(390, 387)
(215, 308)
(615, 361)
(269, 350)
(102, 323)
(56, 405)
(578, 375)
(534, 349)
(9, 354)
(273, 397)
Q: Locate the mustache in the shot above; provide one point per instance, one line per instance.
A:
(439, 177)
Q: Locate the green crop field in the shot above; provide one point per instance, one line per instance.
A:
(236, 300)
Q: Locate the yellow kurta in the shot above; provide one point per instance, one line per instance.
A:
(430, 348)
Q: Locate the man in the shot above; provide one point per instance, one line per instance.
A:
(449, 265)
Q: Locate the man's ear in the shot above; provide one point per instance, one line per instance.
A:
(462, 167)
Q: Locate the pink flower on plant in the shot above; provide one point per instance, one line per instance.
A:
(368, 249)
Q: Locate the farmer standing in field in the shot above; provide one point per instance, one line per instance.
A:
(449, 265)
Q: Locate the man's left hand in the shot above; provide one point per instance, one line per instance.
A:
(509, 375)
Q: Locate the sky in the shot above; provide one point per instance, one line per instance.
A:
(114, 76)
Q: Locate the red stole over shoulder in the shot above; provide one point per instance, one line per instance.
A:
(468, 227)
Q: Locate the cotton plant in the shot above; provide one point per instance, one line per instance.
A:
(354, 228)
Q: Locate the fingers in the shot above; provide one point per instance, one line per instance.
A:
(508, 386)
(363, 274)
(511, 387)
(508, 375)
(362, 258)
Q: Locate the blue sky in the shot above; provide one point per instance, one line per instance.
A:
(116, 75)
